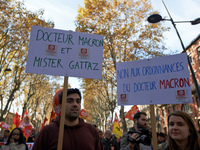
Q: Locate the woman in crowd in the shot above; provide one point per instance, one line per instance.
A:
(15, 141)
(182, 132)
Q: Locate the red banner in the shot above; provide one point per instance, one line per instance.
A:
(16, 121)
(131, 112)
(83, 114)
(4, 125)
(26, 126)
(52, 117)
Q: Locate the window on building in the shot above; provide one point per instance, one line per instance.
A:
(169, 111)
(174, 108)
(159, 127)
(148, 116)
(163, 112)
(186, 108)
(198, 103)
(198, 50)
(190, 59)
(157, 114)
(165, 129)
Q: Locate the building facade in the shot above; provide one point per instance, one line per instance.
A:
(9, 121)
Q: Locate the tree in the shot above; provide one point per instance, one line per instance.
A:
(15, 26)
(98, 101)
(33, 84)
(127, 35)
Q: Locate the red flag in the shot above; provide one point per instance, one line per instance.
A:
(83, 114)
(16, 121)
(52, 117)
(25, 114)
(26, 126)
(27, 130)
(45, 119)
(4, 125)
(116, 119)
(131, 112)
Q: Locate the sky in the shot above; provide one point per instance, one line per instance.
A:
(63, 13)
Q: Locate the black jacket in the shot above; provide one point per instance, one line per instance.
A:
(107, 144)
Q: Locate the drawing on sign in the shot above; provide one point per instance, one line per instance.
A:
(51, 49)
(84, 53)
(123, 98)
(181, 95)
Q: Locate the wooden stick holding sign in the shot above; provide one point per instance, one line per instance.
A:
(62, 117)
(153, 127)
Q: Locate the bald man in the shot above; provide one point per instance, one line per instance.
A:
(108, 142)
(33, 135)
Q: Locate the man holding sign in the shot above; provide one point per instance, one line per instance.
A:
(77, 133)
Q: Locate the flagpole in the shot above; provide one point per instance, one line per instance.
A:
(153, 127)
(62, 117)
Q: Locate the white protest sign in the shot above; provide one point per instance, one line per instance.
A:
(65, 53)
(160, 80)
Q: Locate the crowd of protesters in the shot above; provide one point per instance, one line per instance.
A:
(15, 140)
(182, 135)
(79, 135)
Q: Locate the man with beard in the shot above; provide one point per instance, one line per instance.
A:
(78, 135)
(139, 137)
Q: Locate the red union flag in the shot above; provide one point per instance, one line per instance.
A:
(52, 117)
(25, 124)
(83, 114)
(43, 124)
(16, 121)
(131, 112)
(116, 119)
(4, 125)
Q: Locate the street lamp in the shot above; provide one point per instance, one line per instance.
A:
(155, 18)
